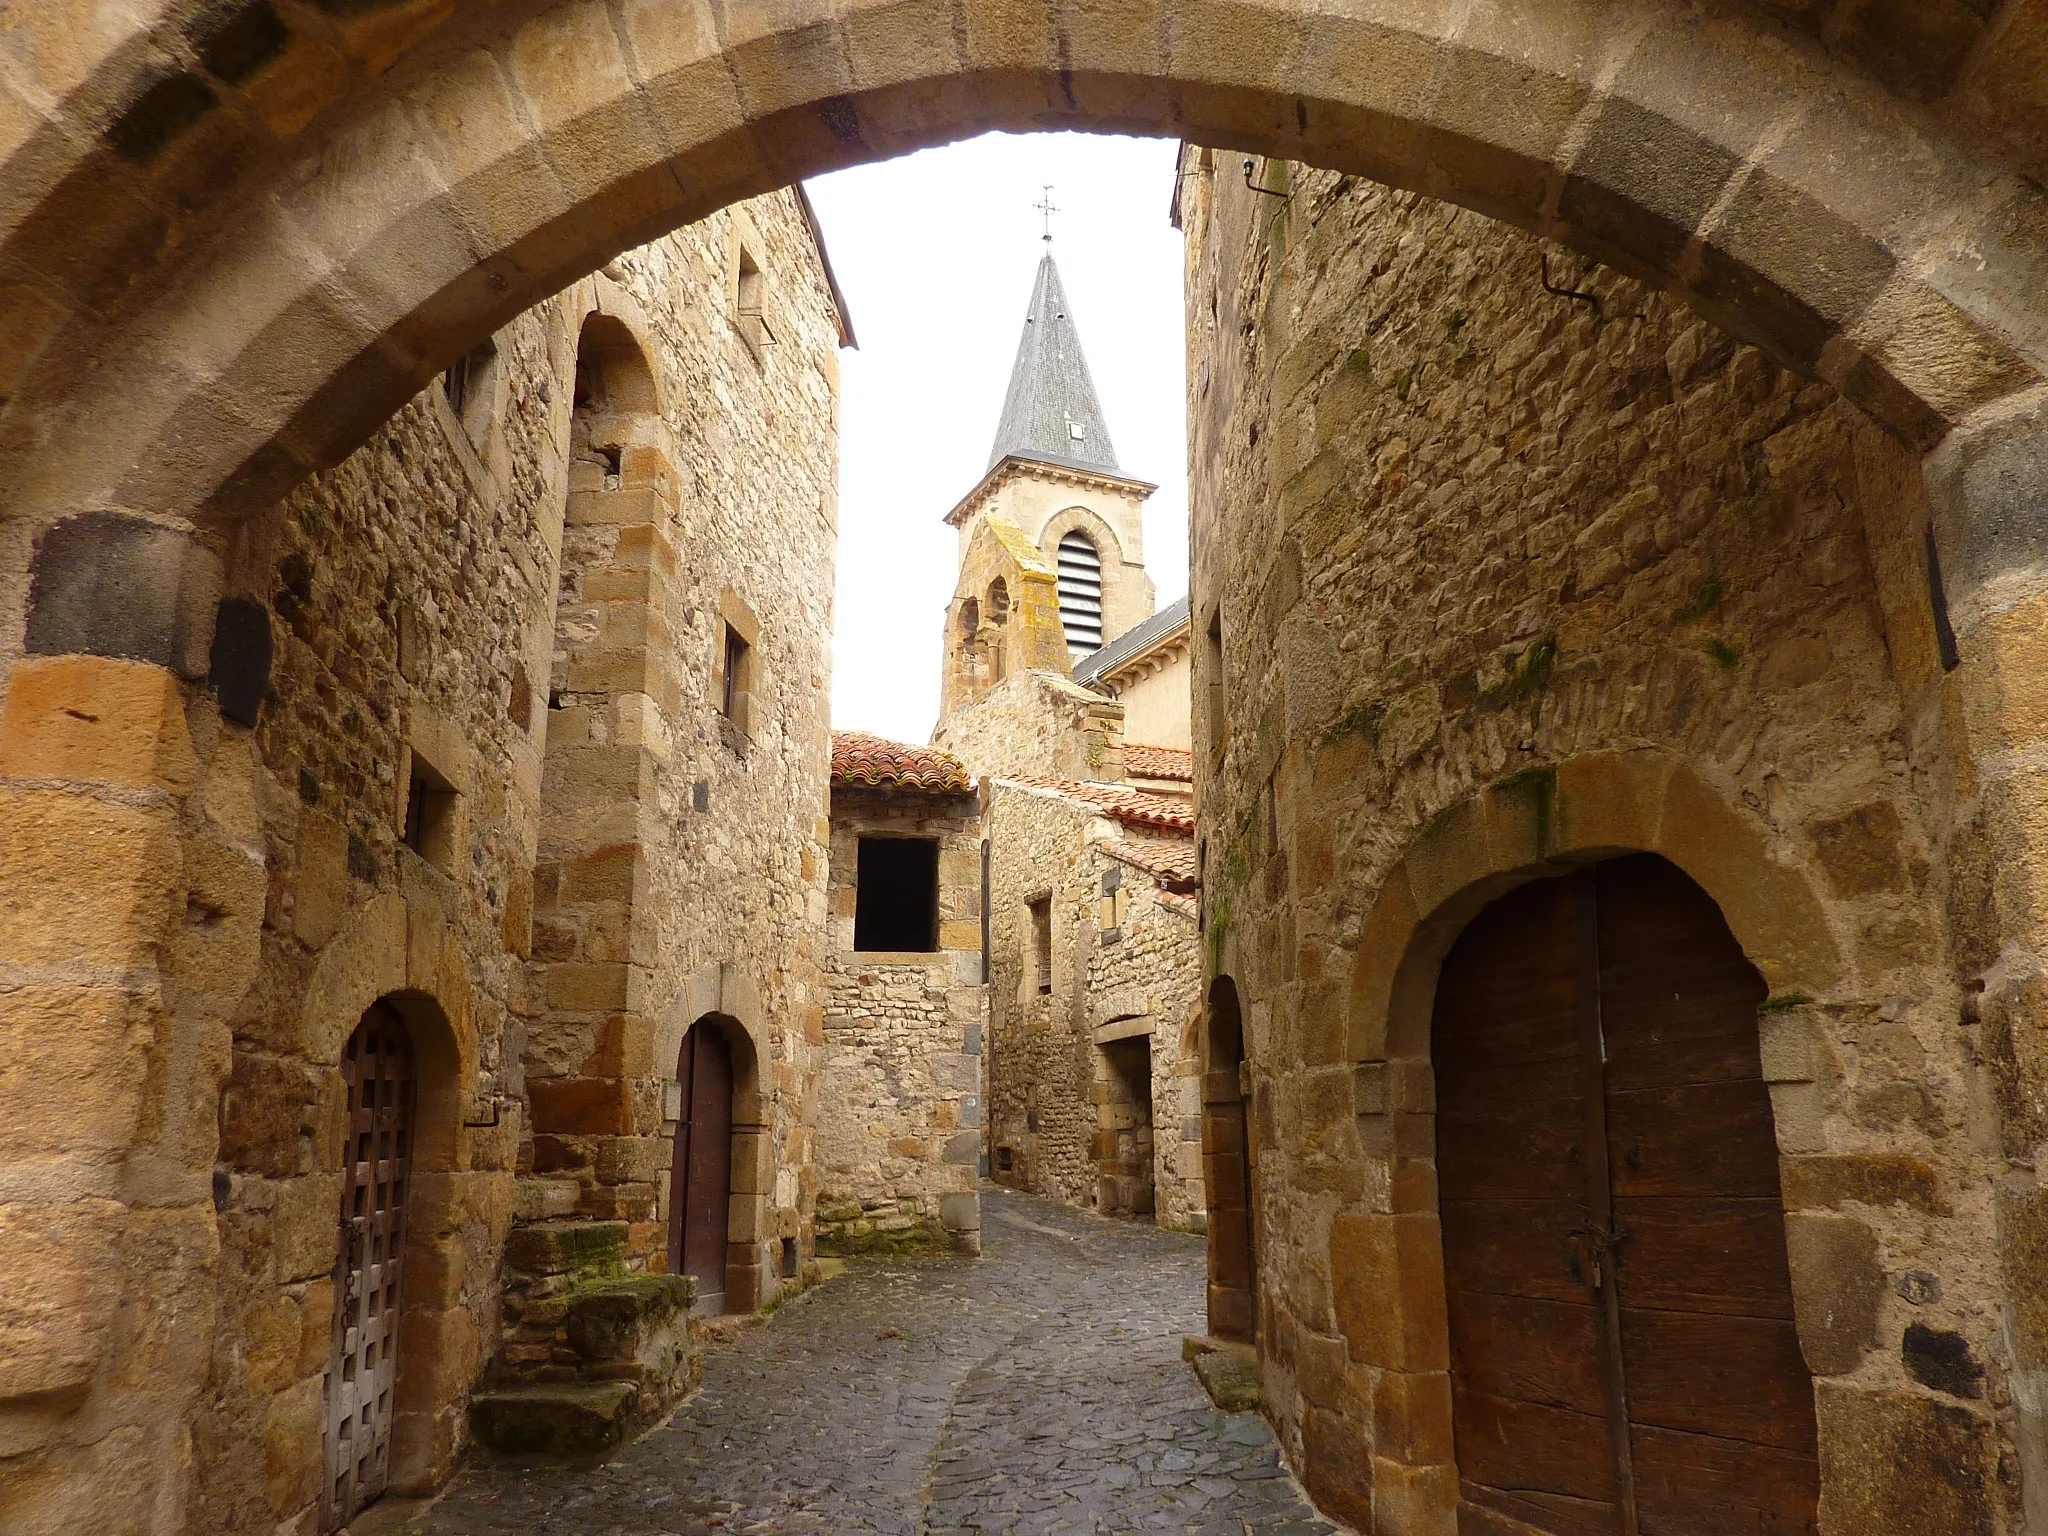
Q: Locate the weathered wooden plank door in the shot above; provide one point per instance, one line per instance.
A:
(700, 1180)
(1622, 1352)
(362, 1371)
(1721, 1420)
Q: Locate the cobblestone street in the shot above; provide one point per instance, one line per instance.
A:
(1041, 1389)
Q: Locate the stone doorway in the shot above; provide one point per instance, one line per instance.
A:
(700, 1179)
(1123, 1136)
(1622, 1346)
(379, 1079)
(1227, 1169)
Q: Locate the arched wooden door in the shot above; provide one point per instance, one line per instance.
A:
(1623, 1356)
(700, 1179)
(362, 1371)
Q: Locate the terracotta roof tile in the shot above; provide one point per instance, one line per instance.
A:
(1159, 763)
(1132, 807)
(1186, 906)
(876, 762)
(1174, 862)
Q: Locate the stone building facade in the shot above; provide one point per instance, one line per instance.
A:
(1855, 190)
(1506, 569)
(470, 845)
(1092, 961)
(1094, 977)
(1148, 670)
(899, 1145)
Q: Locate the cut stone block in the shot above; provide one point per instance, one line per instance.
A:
(1229, 1372)
(556, 1419)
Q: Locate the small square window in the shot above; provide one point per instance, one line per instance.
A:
(896, 903)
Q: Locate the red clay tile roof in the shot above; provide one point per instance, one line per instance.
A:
(1132, 807)
(1159, 763)
(1174, 863)
(1186, 906)
(875, 761)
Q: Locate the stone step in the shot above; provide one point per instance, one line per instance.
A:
(567, 1247)
(1229, 1370)
(554, 1419)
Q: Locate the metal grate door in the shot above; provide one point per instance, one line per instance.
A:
(377, 1071)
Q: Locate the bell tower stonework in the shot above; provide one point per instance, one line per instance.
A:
(1051, 538)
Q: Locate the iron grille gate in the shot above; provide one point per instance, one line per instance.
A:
(377, 1071)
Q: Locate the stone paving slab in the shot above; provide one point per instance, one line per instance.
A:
(1039, 1389)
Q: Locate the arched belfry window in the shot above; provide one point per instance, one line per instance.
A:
(1080, 587)
(999, 602)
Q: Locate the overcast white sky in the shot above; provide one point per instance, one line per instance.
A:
(935, 254)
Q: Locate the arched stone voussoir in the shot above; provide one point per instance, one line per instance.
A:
(1546, 821)
(1737, 165)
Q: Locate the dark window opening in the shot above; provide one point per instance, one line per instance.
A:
(1937, 602)
(1041, 944)
(790, 1258)
(737, 681)
(896, 906)
(471, 386)
(430, 814)
(752, 295)
(1006, 1158)
(1218, 723)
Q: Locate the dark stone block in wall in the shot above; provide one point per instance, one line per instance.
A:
(1942, 1360)
(107, 584)
(240, 671)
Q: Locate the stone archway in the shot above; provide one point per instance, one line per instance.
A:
(1387, 1264)
(475, 166)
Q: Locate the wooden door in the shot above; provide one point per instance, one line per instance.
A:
(362, 1371)
(700, 1181)
(1622, 1351)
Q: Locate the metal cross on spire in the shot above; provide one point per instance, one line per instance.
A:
(1046, 207)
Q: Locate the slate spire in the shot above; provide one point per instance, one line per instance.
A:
(1051, 413)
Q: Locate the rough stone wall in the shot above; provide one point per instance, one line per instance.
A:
(1153, 970)
(1038, 723)
(409, 590)
(680, 870)
(1050, 1089)
(1041, 1114)
(412, 594)
(1004, 618)
(1459, 532)
(899, 1137)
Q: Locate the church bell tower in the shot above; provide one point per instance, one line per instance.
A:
(1052, 537)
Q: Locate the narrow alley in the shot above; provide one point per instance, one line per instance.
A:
(1041, 1389)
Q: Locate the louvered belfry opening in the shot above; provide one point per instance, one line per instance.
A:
(1080, 587)
(378, 1076)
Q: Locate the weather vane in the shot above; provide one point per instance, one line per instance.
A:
(1046, 207)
